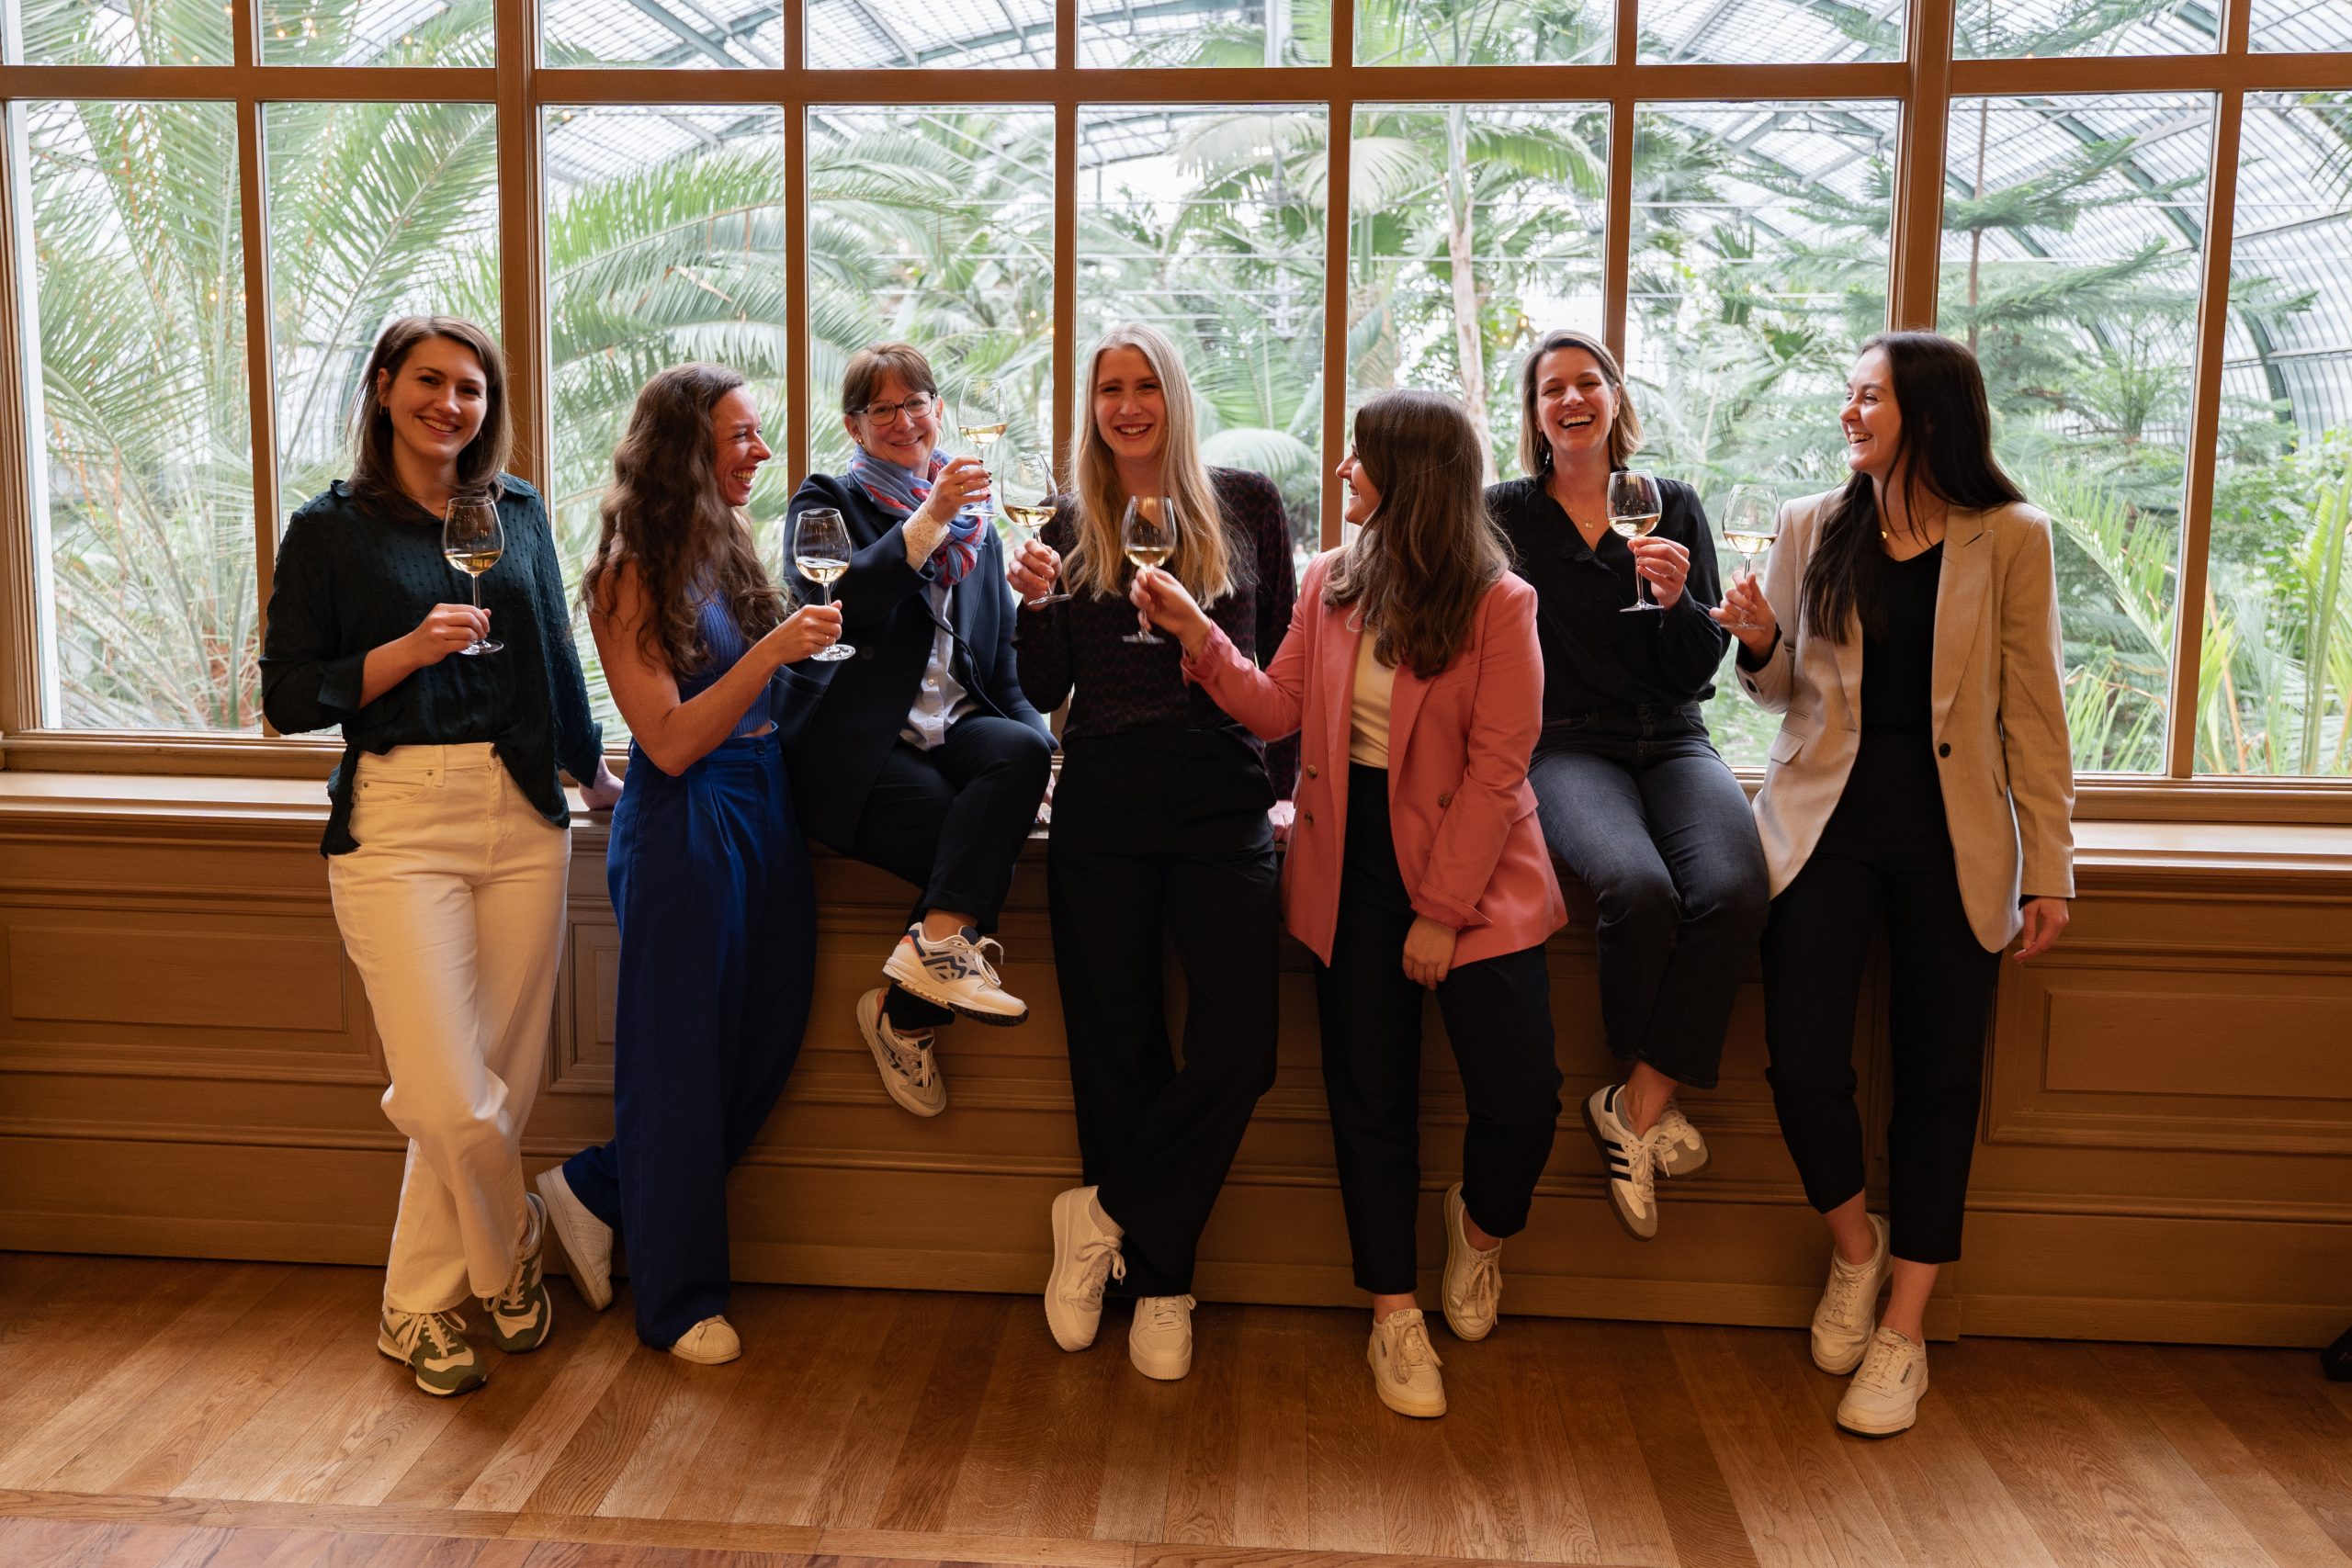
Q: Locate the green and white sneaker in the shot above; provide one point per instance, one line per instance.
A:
(434, 1347)
(521, 1315)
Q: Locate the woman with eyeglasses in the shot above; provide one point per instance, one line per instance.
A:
(920, 753)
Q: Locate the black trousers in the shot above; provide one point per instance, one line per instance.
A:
(952, 821)
(1498, 1013)
(1885, 861)
(1162, 837)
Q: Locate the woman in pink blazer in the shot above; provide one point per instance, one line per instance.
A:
(1412, 675)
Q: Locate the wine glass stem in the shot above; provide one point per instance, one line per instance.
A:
(476, 578)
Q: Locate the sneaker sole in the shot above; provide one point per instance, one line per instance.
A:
(920, 985)
(595, 1288)
(869, 1018)
(1398, 1401)
(734, 1355)
(1601, 1142)
(1453, 1248)
(1844, 1366)
(1070, 1337)
(392, 1351)
(1876, 1429)
(1173, 1369)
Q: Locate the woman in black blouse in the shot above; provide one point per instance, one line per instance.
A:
(1160, 828)
(1634, 800)
(448, 843)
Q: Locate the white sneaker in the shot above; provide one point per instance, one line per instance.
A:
(1405, 1365)
(1629, 1159)
(1849, 1309)
(1474, 1280)
(1884, 1398)
(587, 1241)
(1681, 1150)
(903, 1060)
(1160, 1342)
(710, 1343)
(955, 972)
(1086, 1259)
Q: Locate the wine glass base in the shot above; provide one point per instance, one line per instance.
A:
(485, 645)
(1631, 609)
(1143, 637)
(837, 652)
(1043, 599)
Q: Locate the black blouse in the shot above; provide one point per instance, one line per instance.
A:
(351, 578)
(1899, 657)
(1597, 656)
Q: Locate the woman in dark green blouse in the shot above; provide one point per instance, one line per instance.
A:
(448, 846)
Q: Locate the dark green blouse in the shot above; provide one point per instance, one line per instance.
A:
(351, 578)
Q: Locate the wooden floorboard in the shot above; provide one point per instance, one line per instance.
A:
(172, 1414)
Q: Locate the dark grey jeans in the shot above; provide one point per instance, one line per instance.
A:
(1639, 808)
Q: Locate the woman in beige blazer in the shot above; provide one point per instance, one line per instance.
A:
(1920, 784)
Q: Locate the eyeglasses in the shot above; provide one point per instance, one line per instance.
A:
(887, 414)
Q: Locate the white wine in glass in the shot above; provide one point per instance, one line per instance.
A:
(1149, 538)
(1751, 522)
(472, 540)
(983, 425)
(820, 554)
(1029, 505)
(1634, 511)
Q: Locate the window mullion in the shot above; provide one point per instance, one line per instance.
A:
(1338, 139)
(1916, 253)
(24, 660)
(522, 248)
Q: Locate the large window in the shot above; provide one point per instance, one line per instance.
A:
(1317, 201)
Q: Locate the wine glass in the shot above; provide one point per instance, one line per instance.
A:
(1029, 504)
(1751, 522)
(1632, 512)
(471, 540)
(1149, 538)
(820, 554)
(983, 425)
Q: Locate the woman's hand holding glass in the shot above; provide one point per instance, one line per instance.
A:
(1164, 602)
(804, 634)
(1033, 571)
(962, 482)
(1664, 565)
(1746, 616)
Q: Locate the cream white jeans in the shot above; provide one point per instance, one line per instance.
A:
(452, 907)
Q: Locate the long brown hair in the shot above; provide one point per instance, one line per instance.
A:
(1204, 562)
(662, 515)
(1625, 429)
(373, 478)
(1418, 570)
(1944, 447)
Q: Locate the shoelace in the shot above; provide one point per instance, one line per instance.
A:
(436, 1333)
(1167, 1313)
(1672, 1126)
(1482, 1287)
(980, 950)
(516, 1296)
(903, 1051)
(1848, 1299)
(1099, 1262)
(1877, 1373)
(1414, 1350)
(1641, 1163)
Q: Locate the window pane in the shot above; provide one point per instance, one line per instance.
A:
(145, 500)
(1484, 32)
(850, 34)
(2301, 24)
(1112, 33)
(2003, 29)
(936, 229)
(1759, 257)
(666, 244)
(375, 32)
(1207, 223)
(1770, 31)
(2277, 622)
(1519, 192)
(2071, 235)
(125, 32)
(694, 34)
(376, 210)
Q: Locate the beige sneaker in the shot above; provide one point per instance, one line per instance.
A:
(1160, 1342)
(1474, 1280)
(1884, 1398)
(1849, 1309)
(1681, 1150)
(710, 1343)
(587, 1241)
(1405, 1365)
(1086, 1259)
(909, 1073)
(1628, 1161)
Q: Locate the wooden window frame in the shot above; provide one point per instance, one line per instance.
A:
(1923, 84)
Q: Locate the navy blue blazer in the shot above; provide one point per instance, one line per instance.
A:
(844, 717)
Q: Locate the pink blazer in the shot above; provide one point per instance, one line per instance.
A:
(1463, 817)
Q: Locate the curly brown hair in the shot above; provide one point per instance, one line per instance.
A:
(662, 515)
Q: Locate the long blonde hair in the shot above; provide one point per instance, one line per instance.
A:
(1204, 560)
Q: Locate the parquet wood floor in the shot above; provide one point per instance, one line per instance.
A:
(193, 1415)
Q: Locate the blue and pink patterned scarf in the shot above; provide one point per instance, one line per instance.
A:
(898, 490)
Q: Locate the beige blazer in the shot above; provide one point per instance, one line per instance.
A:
(2000, 712)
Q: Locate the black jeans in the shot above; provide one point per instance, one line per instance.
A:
(1498, 1013)
(952, 821)
(1884, 860)
(1637, 804)
(1162, 837)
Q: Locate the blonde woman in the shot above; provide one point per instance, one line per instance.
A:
(1160, 833)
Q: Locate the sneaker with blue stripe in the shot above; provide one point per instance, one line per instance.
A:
(955, 972)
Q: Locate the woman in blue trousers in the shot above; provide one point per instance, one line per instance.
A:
(708, 870)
